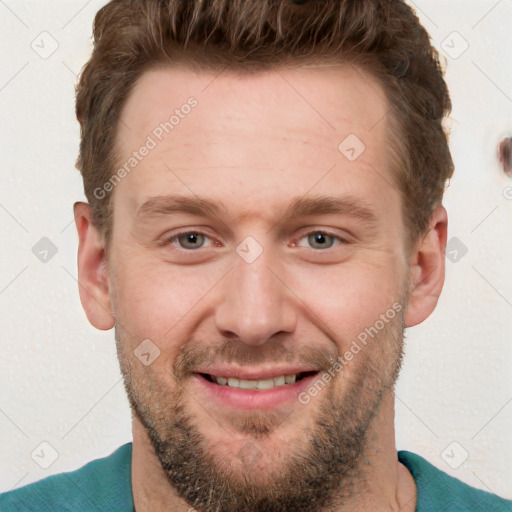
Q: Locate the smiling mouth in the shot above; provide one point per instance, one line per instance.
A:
(258, 385)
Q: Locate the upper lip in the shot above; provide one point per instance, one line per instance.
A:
(255, 373)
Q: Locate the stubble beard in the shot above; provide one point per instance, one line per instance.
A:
(324, 472)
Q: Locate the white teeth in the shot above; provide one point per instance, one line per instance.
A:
(265, 384)
(256, 384)
(248, 384)
(233, 382)
(279, 381)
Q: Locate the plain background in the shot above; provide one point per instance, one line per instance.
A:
(59, 376)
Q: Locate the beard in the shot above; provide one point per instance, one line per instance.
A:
(321, 472)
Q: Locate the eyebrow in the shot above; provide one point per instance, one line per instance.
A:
(325, 205)
(166, 205)
(300, 207)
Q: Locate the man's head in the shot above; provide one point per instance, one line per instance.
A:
(383, 37)
(278, 215)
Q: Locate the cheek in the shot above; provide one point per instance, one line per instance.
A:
(156, 301)
(349, 299)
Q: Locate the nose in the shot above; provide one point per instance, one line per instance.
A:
(255, 304)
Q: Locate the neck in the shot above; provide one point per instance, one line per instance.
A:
(150, 488)
(388, 484)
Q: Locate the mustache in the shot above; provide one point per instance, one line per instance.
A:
(195, 355)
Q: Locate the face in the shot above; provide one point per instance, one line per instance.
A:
(252, 250)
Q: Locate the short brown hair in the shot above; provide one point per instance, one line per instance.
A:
(384, 37)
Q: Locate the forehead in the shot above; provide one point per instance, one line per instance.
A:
(326, 95)
(259, 132)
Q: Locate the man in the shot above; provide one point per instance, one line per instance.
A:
(264, 219)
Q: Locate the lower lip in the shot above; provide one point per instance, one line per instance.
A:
(251, 399)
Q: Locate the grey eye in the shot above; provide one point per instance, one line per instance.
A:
(191, 240)
(320, 240)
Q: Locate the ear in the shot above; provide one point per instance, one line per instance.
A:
(427, 265)
(92, 270)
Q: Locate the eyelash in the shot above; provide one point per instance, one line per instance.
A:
(174, 238)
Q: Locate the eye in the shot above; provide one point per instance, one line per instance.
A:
(189, 240)
(319, 240)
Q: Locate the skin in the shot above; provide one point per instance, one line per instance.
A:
(252, 145)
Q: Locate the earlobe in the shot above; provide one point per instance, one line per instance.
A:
(92, 270)
(427, 266)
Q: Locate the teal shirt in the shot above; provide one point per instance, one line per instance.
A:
(105, 485)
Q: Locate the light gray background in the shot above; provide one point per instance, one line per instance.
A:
(59, 376)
